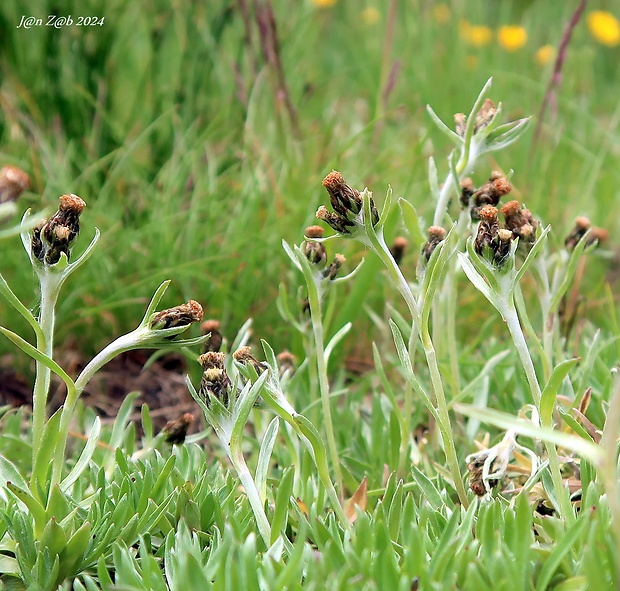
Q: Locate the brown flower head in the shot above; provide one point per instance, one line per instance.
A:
(485, 115)
(346, 202)
(335, 221)
(182, 315)
(490, 193)
(244, 356)
(175, 430)
(332, 271)
(398, 248)
(343, 198)
(520, 222)
(314, 251)
(214, 342)
(215, 381)
(13, 182)
(286, 362)
(476, 482)
(487, 230)
(582, 225)
(502, 249)
(56, 235)
(460, 123)
(436, 234)
(467, 190)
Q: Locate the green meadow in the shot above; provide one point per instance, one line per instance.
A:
(450, 415)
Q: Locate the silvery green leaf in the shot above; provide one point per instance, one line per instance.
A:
(454, 137)
(264, 457)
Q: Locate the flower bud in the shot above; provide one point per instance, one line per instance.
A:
(215, 381)
(185, 314)
(487, 230)
(244, 356)
(175, 430)
(436, 234)
(398, 248)
(55, 236)
(13, 182)
(214, 342)
(314, 251)
(332, 271)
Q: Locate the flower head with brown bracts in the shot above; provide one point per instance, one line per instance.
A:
(486, 237)
(398, 248)
(347, 204)
(214, 341)
(520, 222)
(436, 234)
(215, 382)
(182, 315)
(488, 194)
(13, 182)
(582, 227)
(175, 430)
(53, 237)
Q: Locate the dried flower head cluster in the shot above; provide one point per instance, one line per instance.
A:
(182, 315)
(494, 241)
(316, 254)
(582, 226)
(488, 194)
(484, 116)
(215, 382)
(347, 204)
(520, 222)
(436, 235)
(53, 237)
(13, 182)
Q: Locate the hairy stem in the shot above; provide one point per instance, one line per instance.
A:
(45, 343)
(319, 345)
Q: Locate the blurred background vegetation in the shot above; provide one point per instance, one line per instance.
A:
(198, 135)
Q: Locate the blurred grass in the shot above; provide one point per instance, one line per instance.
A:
(168, 122)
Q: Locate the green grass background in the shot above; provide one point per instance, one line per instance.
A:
(167, 121)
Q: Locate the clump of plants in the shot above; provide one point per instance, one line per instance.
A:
(394, 488)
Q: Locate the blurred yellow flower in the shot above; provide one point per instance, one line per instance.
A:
(323, 3)
(511, 37)
(441, 12)
(604, 27)
(544, 54)
(476, 35)
(370, 15)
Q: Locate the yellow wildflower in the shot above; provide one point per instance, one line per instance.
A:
(604, 27)
(323, 3)
(476, 35)
(544, 55)
(441, 12)
(370, 15)
(512, 37)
